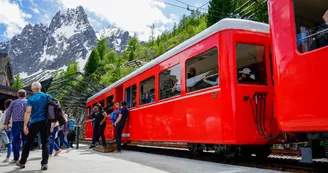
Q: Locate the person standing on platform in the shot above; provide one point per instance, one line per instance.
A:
(100, 125)
(120, 123)
(7, 130)
(35, 114)
(16, 112)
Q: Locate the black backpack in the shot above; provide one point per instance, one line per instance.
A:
(54, 112)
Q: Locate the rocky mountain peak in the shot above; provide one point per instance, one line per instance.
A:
(69, 36)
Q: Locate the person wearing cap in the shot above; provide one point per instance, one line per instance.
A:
(16, 112)
(35, 114)
(246, 75)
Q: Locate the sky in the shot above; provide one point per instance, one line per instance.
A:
(135, 16)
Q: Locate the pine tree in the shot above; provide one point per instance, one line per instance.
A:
(72, 68)
(17, 83)
(92, 63)
(102, 46)
(219, 9)
(133, 45)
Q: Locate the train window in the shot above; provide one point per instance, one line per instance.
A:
(168, 80)
(130, 96)
(93, 106)
(311, 20)
(251, 64)
(147, 91)
(109, 100)
(102, 102)
(202, 71)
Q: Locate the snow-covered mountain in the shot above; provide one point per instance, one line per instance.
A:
(69, 36)
(117, 38)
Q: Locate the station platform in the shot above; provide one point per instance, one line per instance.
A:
(85, 160)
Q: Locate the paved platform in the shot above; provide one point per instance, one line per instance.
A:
(85, 160)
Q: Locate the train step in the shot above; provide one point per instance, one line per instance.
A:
(111, 147)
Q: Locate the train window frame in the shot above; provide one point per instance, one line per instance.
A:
(271, 65)
(178, 65)
(89, 110)
(265, 65)
(125, 96)
(198, 56)
(140, 89)
(297, 30)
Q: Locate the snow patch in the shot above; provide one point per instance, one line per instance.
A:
(82, 61)
(67, 31)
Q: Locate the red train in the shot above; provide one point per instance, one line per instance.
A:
(299, 31)
(222, 90)
(212, 89)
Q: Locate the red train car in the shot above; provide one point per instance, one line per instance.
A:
(299, 30)
(210, 91)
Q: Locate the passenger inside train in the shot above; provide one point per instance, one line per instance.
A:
(147, 91)
(311, 22)
(130, 96)
(251, 64)
(203, 70)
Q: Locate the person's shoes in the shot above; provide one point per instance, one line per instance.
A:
(92, 146)
(69, 149)
(13, 162)
(44, 167)
(116, 151)
(57, 152)
(21, 166)
(6, 160)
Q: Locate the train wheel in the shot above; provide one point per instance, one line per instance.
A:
(230, 153)
(246, 151)
(262, 152)
(195, 149)
(227, 152)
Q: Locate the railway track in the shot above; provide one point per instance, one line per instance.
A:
(277, 161)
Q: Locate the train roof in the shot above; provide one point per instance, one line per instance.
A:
(219, 26)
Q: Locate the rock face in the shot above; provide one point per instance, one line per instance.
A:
(69, 36)
(117, 38)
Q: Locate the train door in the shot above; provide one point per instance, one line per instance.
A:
(130, 94)
(254, 92)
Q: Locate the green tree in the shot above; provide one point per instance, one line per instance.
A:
(109, 58)
(219, 9)
(133, 45)
(102, 46)
(17, 83)
(92, 63)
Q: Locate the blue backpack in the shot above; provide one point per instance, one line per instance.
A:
(113, 116)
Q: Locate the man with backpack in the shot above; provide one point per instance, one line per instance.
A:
(36, 113)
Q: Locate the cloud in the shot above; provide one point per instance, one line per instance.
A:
(12, 17)
(36, 10)
(131, 15)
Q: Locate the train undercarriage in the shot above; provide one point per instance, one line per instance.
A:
(231, 151)
(312, 145)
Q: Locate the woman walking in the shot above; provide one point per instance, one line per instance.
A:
(53, 143)
(62, 134)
